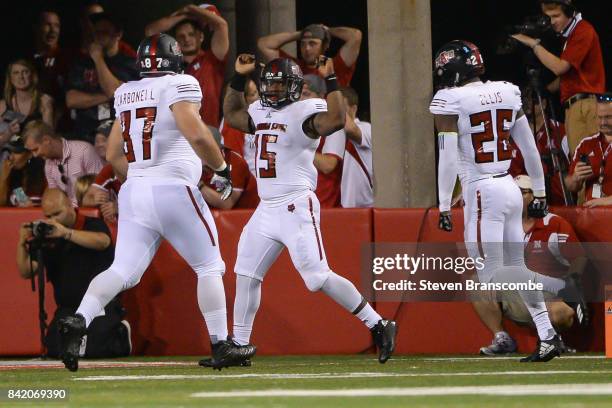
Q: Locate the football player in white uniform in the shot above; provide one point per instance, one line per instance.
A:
(287, 133)
(475, 120)
(157, 144)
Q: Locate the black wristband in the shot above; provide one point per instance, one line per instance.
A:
(238, 82)
(331, 83)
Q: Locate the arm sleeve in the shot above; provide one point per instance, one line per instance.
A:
(184, 88)
(447, 167)
(445, 102)
(523, 137)
(310, 107)
(92, 163)
(366, 134)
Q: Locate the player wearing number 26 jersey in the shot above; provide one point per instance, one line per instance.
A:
(287, 132)
(158, 142)
(475, 121)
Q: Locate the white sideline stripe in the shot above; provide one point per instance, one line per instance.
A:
(324, 375)
(485, 358)
(506, 390)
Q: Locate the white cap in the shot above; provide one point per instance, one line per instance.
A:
(524, 182)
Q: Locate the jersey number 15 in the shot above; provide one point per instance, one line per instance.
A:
(149, 115)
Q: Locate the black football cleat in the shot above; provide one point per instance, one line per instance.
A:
(546, 350)
(208, 362)
(573, 295)
(384, 334)
(71, 329)
(227, 353)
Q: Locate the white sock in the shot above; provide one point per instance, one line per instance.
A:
(246, 304)
(540, 317)
(102, 289)
(346, 295)
(211, 299)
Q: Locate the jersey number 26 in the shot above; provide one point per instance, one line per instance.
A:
(501, 135)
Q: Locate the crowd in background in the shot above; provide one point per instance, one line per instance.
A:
(57, 111)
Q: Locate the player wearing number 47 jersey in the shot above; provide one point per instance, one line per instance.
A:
(158, 143)
(287, 133)
(475, 120)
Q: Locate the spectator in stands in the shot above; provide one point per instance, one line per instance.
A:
(65, 160)
(51, 60)
(87, 30)
(22, 100)
(580, 69)
(207, 66)
(313, 41)
(244, 193)
(22, 178)
(238, 141)
(76, 250)
(547, 147)
(81, 186)
(93, 79)
(329, 154)
(590, 166)
(357, 172)
(553, 251)
(101, 138)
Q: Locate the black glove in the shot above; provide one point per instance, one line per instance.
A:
(537, 208)
(223, 182)
(445, 223)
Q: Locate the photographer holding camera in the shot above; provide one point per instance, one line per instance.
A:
(580, 68)
(75, 249)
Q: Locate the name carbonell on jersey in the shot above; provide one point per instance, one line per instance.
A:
(467, 285)
(143, 95)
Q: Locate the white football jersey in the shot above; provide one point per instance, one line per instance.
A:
(357, 172)
(487, 111)
(284, 156)
(153, 144)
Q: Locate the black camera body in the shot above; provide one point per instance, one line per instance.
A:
(41, 229)
(537, 26)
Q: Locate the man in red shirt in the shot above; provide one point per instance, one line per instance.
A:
(207, 66)
(244, 192)
(591, 166)
(314, 41)
(580, 68)
(553, 250)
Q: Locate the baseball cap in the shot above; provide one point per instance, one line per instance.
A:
(524, 182)
(210, 7)
(15, 145)
(315, 31)
(104, 128)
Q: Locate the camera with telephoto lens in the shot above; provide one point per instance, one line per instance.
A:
(41, 229)
(538, 26)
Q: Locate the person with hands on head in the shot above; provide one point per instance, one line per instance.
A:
(314, 41)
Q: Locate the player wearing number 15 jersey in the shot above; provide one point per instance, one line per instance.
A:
(158, 142)
(287, 133)
(475, 120)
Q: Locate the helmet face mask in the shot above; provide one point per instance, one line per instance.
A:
(281, 83)
(159, 54)
(456, 63)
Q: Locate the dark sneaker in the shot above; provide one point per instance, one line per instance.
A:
(546, 350)
(565, 349)
(573, 295)
(208, 362)
(384, 334)
(71, 329)
(502, 344)
(226, 353)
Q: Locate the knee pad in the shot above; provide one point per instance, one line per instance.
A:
(315, 280)
(216, 268)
